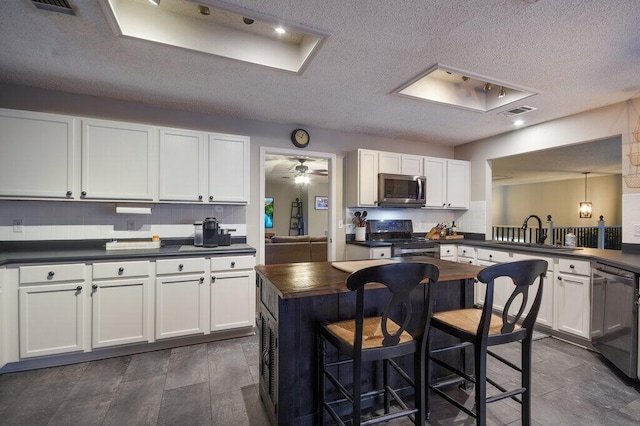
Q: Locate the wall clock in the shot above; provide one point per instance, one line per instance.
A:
(300, 138)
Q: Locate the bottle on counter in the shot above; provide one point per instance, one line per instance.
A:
(454, 230)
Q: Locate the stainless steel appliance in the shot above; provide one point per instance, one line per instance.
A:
(198, 234)
(614, 316)
(401, 190)
(399, 232)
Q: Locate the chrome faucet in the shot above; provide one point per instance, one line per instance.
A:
(542, 233)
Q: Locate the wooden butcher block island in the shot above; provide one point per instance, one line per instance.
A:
(295, 297)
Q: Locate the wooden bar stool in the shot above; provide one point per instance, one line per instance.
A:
(482, 328)
(400, 330)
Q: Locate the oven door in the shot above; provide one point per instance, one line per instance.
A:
(399, 251)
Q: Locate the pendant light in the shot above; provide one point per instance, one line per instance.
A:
(585, 206)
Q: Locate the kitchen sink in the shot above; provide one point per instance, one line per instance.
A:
(534, 245)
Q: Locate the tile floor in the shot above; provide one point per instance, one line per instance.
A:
(215, 384)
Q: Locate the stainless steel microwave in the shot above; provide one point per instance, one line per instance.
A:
(401, 190)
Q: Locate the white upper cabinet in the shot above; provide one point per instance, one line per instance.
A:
(228, 168)
(362, 178)
(412, 165)
(183, 166)
(118, 160)
(435, 169)
(400, 164)
(389, 162)
(448, 183)
(37, 155)
(458, 183)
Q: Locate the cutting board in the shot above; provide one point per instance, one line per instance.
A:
(356, 265)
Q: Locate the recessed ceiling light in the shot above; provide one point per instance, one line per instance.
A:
(155, 2)
(280, 30)
(518, 122)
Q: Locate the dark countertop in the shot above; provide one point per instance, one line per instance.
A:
(369, 243)
(293, 280)
(84, 252)
(616, 258)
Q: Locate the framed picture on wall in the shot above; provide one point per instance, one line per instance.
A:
(322, 203)
(268, 212)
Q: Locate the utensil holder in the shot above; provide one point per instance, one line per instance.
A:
(361, 233)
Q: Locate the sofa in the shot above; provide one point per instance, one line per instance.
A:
(295, 249)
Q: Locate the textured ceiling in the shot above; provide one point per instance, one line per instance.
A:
(603, 157)
(580, 55)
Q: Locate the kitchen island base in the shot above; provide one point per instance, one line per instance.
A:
(295, 298)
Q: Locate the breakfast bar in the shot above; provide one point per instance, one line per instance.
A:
(295, 297)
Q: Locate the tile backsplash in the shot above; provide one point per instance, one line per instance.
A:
(58, 220)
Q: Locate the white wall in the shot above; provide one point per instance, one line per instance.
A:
(560, 199)
(271, 135)
(615, 120)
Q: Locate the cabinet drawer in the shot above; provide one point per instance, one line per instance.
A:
(51, 273)
(120, 269)
(494, 255)
(448, 250)
(572, 266)
(232, 263)
(380, 252)
(180, 266)
(466, 251)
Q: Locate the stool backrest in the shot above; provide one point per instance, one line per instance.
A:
(523, 274)
(401, 279)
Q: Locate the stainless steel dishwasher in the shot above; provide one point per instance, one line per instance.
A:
(614, 316)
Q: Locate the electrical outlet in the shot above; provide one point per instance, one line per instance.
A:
(18, 226)
(636, 230)
(131, 225)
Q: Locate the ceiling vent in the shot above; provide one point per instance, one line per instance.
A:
(60, 6)
(518, 111)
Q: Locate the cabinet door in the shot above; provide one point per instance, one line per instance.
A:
(51, 319)
(3, 344)
(412, 165)
(181, 306)
(457, 184)
(233, 300)
(117, 160)
(37, 155)
(435, 169)
(367, 178)
(183, 166)
(119, 312)
(573, 304)
(228, 168)
(389, 162)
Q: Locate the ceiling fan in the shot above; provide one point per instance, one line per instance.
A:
(302, 169)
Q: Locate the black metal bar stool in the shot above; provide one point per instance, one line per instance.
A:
(400, 330)
(482, 328)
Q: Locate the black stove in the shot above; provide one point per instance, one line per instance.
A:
(399, 232)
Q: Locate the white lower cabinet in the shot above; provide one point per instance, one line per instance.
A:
(182, 303)
(356, 252)
(573, 296)
(52, 305)
(448, 252)
(546, 312)
(120, 303)
(233, 292)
